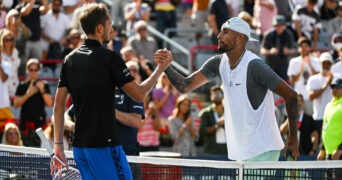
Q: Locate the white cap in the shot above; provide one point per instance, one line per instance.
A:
(326, 56)
(238, 25)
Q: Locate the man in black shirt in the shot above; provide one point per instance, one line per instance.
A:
(90, 74)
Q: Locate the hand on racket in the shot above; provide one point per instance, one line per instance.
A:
(59, 164)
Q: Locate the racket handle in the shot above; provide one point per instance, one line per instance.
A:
(45, 141)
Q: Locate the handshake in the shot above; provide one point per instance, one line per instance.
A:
(163, 58)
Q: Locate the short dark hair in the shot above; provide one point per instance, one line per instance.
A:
(215, 88)
(313, 1)
(92, 15)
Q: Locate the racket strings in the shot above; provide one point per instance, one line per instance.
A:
(67, 174)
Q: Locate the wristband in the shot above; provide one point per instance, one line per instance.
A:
(58, 142)
(184, 126)
(216, 126)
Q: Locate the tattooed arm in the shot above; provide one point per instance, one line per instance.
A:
(185, 84)
(209, 70)
(291, 102)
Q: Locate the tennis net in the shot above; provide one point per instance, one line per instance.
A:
(33, 163)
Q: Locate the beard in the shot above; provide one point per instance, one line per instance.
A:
(55, 11)
(218, 102)
(223, 48)
(105, 38)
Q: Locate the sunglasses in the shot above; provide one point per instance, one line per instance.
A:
(75, 37)
(142, 29)
(8, 39)
(12, 133)
(218, 95)
(33, 70)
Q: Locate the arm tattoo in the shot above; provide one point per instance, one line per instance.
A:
(292, 111)
(177, 80)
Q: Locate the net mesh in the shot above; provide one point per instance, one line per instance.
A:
(33, 163)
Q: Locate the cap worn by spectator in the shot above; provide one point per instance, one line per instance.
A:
(336, 82)
(140, 25)
(302, 40)
(326, 56)
(336, 38)
(336, 41)
(238, 25)
(279, 20)
(33, 61)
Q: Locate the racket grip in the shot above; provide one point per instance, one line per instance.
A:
(45, 141)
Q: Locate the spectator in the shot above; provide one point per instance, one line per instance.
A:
(219, 12)
(143, 44)
(166, 17)
(254, 43)
(318, 87)
(74, 40)
(199, 16)
(12, 135)
(148, 134)
(335, 24)
(55, 26)
(336, 42)
(164, 98)
(306, 22)
(129, 54)
(182, 128)
(328, 10)
(21, 34)
(332, 132)
(5, 110)
(212, 128)
(129, 114)
(277, 47)
(301, 68)
(134, 12)
(115, 44)
(261, 21)
(305, 129)
(336, 69)
(10, 54)
(31, 11)
(32, 96)
(69, 7)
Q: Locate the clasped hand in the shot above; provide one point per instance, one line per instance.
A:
(163, 57)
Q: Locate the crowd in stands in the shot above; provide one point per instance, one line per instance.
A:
(286, 33)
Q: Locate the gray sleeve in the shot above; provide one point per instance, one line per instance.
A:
(260, 77)
(262, 74)
(210, 68)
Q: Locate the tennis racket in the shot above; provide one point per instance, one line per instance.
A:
(64, 173)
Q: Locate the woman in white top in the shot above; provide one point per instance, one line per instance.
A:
(10, 54)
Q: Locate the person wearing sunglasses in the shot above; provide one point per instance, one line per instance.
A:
(32, 96)
(212, 129)
(332, 127)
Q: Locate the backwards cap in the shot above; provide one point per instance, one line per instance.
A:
(238, 25)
